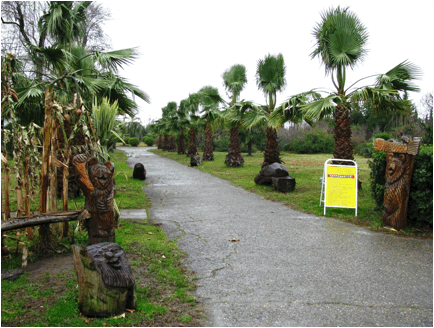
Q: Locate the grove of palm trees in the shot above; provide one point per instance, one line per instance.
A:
(64, 93)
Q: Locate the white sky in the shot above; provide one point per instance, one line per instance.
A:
(188, 44)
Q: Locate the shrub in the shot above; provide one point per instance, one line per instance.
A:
(420, 203)
(149, 141)
(313, 142)
(134, 141)
(382, 135)
(221, 145)
(127, 140)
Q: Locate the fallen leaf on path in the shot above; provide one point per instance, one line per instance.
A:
(234, 239)
(150, 233)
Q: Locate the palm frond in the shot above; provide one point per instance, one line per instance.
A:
(400, 77)
(318, 109)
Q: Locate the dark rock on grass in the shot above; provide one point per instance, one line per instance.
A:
(284, 184)
(139, 172)
(274, 170)
(195, 160)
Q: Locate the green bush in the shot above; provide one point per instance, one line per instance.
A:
(382, 135)
(149, 141)
(420, 203)
(364, 150)
(127, 140)
(313, 142)
(134, 141)
(221, 144)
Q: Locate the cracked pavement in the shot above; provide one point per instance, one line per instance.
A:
(288, 268)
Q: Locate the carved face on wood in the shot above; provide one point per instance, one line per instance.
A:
(112, 263)
(396, 166)
(100, 174)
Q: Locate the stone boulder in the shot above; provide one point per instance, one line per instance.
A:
(139, 172)
(274, 170)
(195, 160)
(284, 184)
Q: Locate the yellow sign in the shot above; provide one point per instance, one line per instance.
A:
(341, 184)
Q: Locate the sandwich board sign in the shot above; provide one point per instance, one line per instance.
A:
(339, 185)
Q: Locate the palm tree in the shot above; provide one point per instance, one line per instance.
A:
(341, 44)
(234, 81)
(210, 99)
(270, 78)
(181, 124)
(193, 108)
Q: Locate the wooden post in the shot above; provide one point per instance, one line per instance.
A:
(105, 280)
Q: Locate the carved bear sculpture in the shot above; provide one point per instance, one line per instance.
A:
(399, 168)
(96, 181)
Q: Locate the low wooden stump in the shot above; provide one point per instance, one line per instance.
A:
(284, 184)
(105, 280)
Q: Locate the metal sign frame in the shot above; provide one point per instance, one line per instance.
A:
(323, 198)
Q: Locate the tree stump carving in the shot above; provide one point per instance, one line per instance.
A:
(105, 279)
(399, 168)
(96, 181)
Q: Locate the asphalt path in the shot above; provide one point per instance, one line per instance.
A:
(288, 268)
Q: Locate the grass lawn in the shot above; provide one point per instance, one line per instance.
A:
(47, 294)
(306, 169)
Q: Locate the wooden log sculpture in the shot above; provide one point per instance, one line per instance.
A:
(105, 280)
(96, 181)
(399, 168)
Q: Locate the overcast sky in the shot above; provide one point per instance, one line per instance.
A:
(185, 44)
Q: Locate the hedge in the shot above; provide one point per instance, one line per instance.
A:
(420, 203)
(134, 141)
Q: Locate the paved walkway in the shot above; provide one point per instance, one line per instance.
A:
(288, 268)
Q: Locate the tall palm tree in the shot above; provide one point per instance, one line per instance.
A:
(341, 44)
(210, 99)
(181, 124)
(270, 79)
(234, 81)
(193, 108)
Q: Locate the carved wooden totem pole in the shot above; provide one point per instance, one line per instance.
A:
(399, 168)
(105, 279)
(96, 181)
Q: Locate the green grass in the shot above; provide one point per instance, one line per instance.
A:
(306, 169)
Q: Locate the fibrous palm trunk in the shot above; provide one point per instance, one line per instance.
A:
(181, 144)
(172, 144)
(271, 153)
(166, 142)
(192, 148)
(208, 154)
(234, 158)
(160, 142)
(342, 134)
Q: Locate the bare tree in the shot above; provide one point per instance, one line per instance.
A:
(21, 35)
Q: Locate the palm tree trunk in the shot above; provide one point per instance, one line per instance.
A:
(208, 154)
(172, 144)
(160, 142)
(234, 158)
(271, 153)
(166, 142)
(181, 144)
(342, 134)
(192, 148)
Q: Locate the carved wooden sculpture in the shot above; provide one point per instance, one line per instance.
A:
(96, 181)
(399, 168)
(105, 279)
